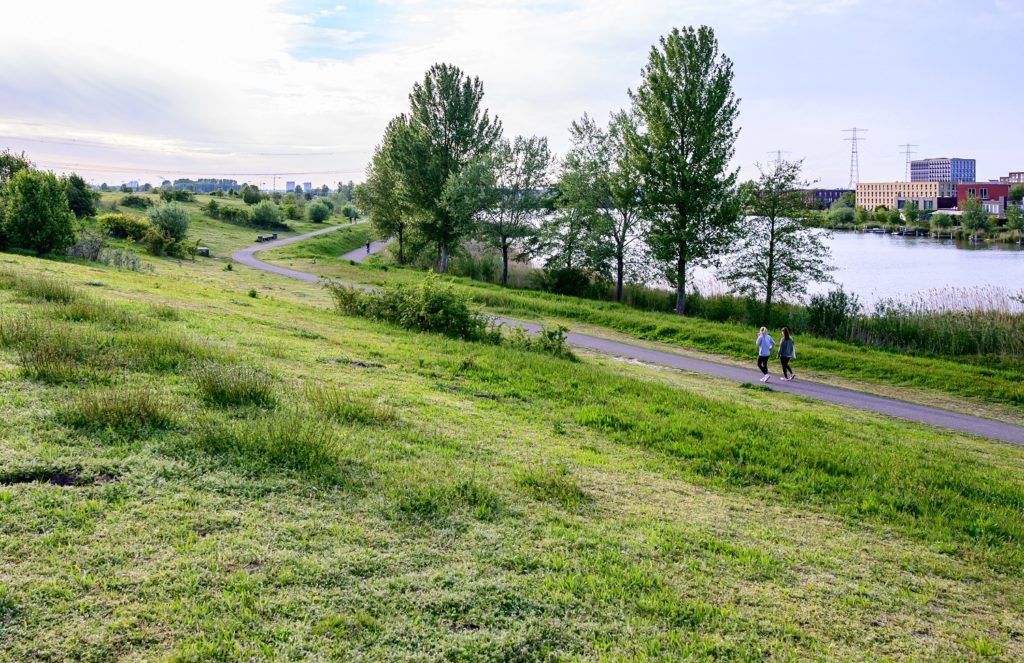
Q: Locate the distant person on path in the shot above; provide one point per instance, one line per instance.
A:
(367, 248)
(765, 343)
(786, 352)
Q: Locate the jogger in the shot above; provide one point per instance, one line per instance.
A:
(765, 343)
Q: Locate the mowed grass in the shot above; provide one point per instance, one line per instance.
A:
(408, 496)
(328, 246)
(970, 380)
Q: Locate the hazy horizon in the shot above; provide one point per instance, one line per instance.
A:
(305, 89)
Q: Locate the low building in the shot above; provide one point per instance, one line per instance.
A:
(1013, 178)
(993, 196)
(929, 196)
(943, 169)
(824, 198)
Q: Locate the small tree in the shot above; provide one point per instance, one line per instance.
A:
(521, 170)
(298, 190)
(80, 198)
(251, 194)
(776, 253)
(682, 147)
(1014, 219)
(911, 214)
(941, 222)
(974, 218)
(266, 215)
(36, 214)
(382, 196)
(841, 216)
(863, 216)
(317, 212)
(1017, 192)
(172, 219)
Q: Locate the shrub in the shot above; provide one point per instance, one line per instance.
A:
(80, 197)
(159, 243)
(237, 215)
(318, 212)
(171, 219)
(267, 215)
(180, 195)
(831, 315)
(549, 340)
(139, 202)
(292, 212)
(89, 246)
(234, 385)
(36, 214)
(251, 194)
(123, 226)
(430, 306)
(573, 282)
(126, 412)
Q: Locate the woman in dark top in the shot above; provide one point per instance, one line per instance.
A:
(786, 352)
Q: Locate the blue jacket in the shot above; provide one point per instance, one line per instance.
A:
(765, 344)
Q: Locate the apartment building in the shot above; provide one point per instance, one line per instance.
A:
(1013, 178)
(943, 169)
(895, 195)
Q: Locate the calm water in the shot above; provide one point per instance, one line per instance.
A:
(877, 267)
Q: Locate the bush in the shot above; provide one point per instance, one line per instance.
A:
(181, 196)
(267, 215)
(126, 412)
(171, 219)
(573, 282)
(237, 215)
(123, 226)
(292, 212)
(318, 212)
(831, 315)
(430, 306)
(36, 214)
(89, 246)
(80, 197)
(234, 385)
(159, 243)
(549, 340)
(139, 202)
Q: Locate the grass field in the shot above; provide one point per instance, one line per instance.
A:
(194, 473)
(989, 387)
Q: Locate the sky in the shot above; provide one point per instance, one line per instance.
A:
(250, 89)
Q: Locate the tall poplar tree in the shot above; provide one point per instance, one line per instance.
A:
(686, 112)
(447, 130)
(382, 196)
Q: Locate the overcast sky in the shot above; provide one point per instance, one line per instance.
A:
(135, 90)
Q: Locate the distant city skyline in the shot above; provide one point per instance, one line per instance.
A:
(303, 90)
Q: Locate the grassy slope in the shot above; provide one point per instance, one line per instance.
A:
(322, 247)
(994, 389)
(468, 501)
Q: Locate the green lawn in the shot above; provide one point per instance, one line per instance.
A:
(988, 387)
(188, 472)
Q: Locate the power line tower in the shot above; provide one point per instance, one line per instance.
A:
(907, 151)
(854, 156)
(778, 156)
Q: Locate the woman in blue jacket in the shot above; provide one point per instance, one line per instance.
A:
(765, 343)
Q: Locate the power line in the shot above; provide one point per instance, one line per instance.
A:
(854, 155)
(778, 156)
(907, 151)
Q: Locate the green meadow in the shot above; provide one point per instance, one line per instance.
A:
(199, 464)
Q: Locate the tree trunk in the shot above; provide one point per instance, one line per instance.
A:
(504, 263)
(444, 258)
(401, 245)
(681, 286)
(619, 266)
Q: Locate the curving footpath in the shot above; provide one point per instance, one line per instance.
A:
(919, 413)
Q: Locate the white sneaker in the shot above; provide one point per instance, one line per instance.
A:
(766, 378)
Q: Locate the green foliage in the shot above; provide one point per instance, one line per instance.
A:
(234, 385)
(1017, 192)
(176, 195)
(159, 243)
(553, 484)
(863, 216)
(251, 194)
(317, 212)
(349, 211)
(447, 130)
(911, 213)
(974, 218)
(842, 216)
(267, 215)
(81, 200)
(11, 163)
(1014, 218)
(347, 407)
(292, 212)
(237, 215)
(942, 221)
(123, 226)
(428, 306)
(36, 214)
(686, 112)
(548, 340)
(382, 195)
(171, 219)
(775, 255)
(832, 315)
(133, 200)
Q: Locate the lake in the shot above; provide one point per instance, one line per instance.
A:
(877, 267)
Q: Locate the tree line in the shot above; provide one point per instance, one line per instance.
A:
(648, 193)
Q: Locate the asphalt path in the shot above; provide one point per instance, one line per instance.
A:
(851, 398)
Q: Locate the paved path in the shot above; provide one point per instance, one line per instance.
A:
(920, 413)
(360, 254)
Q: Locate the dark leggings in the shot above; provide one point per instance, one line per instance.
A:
(762, 363)
(785, 366)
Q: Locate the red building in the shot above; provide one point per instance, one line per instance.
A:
(992, 195)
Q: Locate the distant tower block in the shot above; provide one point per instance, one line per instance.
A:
(854, 156)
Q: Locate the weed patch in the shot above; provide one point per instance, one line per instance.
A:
(553, 484)
(123, 411)
(40, 286)
(346, 407)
